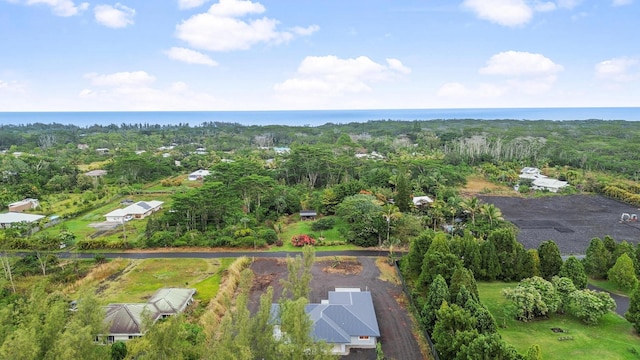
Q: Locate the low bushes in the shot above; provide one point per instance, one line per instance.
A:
(302, 240)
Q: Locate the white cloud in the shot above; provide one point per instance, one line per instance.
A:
(622, 2)
(190, 56)
(117, 16)
(396, 65)
(134, 78)
(518, 63)
(323, 77)
(458, 90)
(502, 12)
(190, 4)
(621, 69)
(222, 29)
(298, 30)
(514, 73)
(135, 91)
(517, 12)
(544, 6)
(61, 7)
(11, 86)
(568, 4)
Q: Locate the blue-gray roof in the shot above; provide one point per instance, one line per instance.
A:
(345, 314)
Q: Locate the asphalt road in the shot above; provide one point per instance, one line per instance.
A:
(212, 254)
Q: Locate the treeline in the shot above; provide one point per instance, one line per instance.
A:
(442, 271)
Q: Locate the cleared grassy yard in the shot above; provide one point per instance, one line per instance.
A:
(304, 227)
(612, 338)
(141, 278)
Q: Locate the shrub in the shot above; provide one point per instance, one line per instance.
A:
(279, 243)
(268, 235)
(242, 233)
(302, 240)
(323, 224)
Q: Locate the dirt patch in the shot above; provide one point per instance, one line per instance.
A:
(345, 267)
(571, 221)
(478, 185)
(396, 327)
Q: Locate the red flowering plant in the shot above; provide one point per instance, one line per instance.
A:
(302, 240)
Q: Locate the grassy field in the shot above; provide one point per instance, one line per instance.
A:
(609, 286)
(304, 227)
(612, 338)
(141, 278)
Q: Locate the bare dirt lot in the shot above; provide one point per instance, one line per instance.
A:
(571, 221)
(398, 341)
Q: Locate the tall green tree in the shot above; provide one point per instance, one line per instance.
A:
(623, 274)
(596, 261)
(573, 269)
(550, 259)
(633, 313)
(437, 294)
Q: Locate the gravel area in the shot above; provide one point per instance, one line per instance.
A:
(398, 340)
(571, 221)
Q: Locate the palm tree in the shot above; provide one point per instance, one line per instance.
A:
(472, 207)
(390, 212)
(492, 213)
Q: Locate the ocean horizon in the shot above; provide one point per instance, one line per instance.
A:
(314, 117)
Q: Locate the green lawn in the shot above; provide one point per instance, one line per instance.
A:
(612, 338)
(147, 276)
(608, 286)
(304, 227)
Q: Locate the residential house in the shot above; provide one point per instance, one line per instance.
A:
(125, 320)
(96, 173)
(9, 219)
(531, 173)
(102, 151)
(549, 184)
(22, 205)
(346, 320)
(308, 214)
(419, 201)
(198, 175)
(139, 210)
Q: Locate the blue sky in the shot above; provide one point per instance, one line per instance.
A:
(68, 55)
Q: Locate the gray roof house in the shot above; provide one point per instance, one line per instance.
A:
(125, 321)
(345, 320)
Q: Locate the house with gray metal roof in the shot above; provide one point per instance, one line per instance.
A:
(11, 218)
(345, 320)
(139, 210)
(125, 320)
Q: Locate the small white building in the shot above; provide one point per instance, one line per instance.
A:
(198, 175)
(139, 210)
(531, 173)
(9, 219)
(421, 200)
(552, 185)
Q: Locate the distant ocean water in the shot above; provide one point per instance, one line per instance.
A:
(313, 117)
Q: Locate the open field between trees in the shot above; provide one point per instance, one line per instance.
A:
(612, 338)
(131, 281)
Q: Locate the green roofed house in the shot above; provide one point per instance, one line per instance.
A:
(345, 321)
(125, 320)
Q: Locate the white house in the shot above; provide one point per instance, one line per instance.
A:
(421, 200)
(531, 173)
(22, 205)
(345, 320)
(552, 185)
(198, 174)
(139, 210)
(9, 219)
(125, 320)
